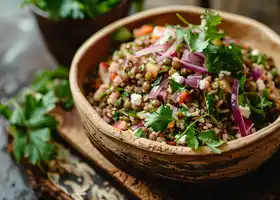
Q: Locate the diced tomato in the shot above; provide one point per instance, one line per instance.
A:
(113, 76)
(143, 30)
(183, 97)
(158, 32)
(120, 125)
(171, 143)
(104, 65)
(103, 72)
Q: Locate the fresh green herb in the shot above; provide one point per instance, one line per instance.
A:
(31, 127)
(266, 93)
(56, 81)
(258, 59)
(78, 9)
(5, 111)
(116, 116)
(210, 101)
(208, 31)
(166, 69)
(122, 35)
(189, 126)
(157, 81)
(200, 37)
(242, 84)
(160, 119)
(274, 73)
(227, 58)
(175, 86)
(211, 140)
(140, 133)
(192, 140)
(126, 94)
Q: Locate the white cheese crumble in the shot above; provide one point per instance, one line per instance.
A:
(176, 77)
(182, 140)
(245, 111)
(255, 52)
(260, 84)
(224, 73)
(202, 84)
(136, 99)
(168, 35)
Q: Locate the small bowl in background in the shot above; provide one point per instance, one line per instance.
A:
(63, 37)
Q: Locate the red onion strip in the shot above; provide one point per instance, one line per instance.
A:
(236, 112)
(152, 49)
(192, 67)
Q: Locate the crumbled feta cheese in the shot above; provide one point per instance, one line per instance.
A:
(260, 84)
(202, 84)
(136, 99)
(255, 52)
(224, 73)
(245, 111)
(176, 77)
(182, 140)
(168, 35)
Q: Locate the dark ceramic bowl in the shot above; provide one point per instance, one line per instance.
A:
(64, 37)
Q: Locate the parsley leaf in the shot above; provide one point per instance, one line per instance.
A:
(211, 140)
(5, 111)
(140, 133)
(160, 119)
(175, 86)
(55, 81)
(157, 81)
(258, 59)
(208, 31)
(116, 116)
(228, 58)
(210, 101)
(192, 141)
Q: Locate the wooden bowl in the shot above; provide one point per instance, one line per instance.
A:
(180, 163)
(63, 37)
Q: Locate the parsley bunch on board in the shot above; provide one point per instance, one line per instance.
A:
(56, 81)
(200, 39)
(78, 9)
(31, 125)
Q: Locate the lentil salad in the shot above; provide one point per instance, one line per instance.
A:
(186, 85)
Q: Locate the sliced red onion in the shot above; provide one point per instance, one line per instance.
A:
(185, 56)
(174, 110)
(171, 50)
(257, 72)
(249, 125)
(192, 67)
(106, 119)
(195, 77)
(152, 49)
(163, 95)
(175, 97)
(193, 58)
(193, 82)
(136, 126)
(236, 112)
(157, 89)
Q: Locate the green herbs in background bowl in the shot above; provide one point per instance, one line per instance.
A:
(31, 125)
(78, 9)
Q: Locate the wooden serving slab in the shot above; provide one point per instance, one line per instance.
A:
(263, 184)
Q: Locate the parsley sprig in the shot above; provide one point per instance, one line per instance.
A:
(31, 125)
(200, 39)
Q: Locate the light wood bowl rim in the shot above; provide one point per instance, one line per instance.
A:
(146, 144)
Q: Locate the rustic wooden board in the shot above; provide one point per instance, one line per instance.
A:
(263, 184)
(72, 131)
